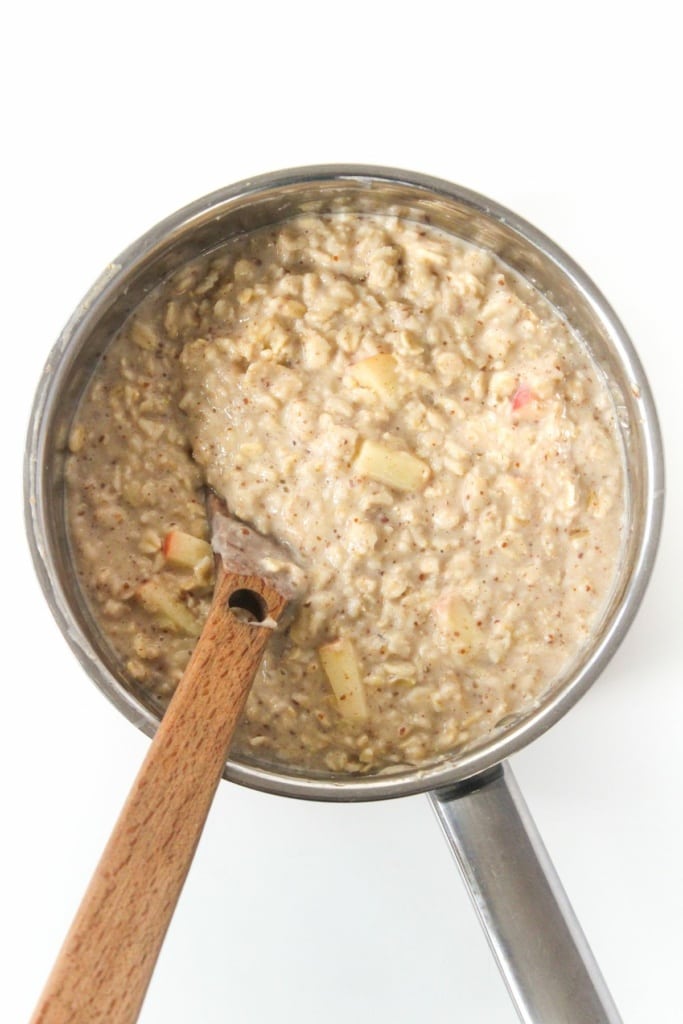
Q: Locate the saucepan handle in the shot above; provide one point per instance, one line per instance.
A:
(535, 937)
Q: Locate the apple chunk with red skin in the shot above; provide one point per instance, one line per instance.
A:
(184, 550)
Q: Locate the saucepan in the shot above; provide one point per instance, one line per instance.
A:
(535, 937)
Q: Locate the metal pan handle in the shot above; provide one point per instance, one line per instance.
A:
(535, 937)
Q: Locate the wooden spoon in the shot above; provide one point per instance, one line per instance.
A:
(105, 965)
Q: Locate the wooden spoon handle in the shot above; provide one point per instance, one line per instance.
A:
(105, 965)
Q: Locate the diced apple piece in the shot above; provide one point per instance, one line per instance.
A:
(158, 601)
(377, 373)
(522, 396)
(201, 580)
(184, 550)
(525, 402)
(398, 469)
(340, 665)
(456, 622)
(203, 572)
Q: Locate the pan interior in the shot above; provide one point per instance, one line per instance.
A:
(273, 198)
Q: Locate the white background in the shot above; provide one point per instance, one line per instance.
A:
(117, 115)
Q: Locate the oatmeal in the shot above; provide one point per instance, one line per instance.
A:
(422, 433)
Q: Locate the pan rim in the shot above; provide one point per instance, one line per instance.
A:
(411, 780)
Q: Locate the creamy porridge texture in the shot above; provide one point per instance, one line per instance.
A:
(422, 432)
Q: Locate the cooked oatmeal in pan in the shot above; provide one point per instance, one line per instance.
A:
(426, 438)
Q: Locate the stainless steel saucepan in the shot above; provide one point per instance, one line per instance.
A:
(537, 941)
